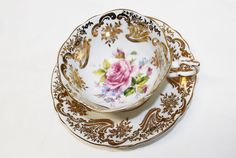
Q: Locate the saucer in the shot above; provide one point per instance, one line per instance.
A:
(114, 61)
(127, 129)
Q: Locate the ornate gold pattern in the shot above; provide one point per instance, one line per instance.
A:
(167, 30)
(101, 22)
(181, 45)
(184, 88)
(110, 32)
(105, 131)
(81, 52)
(75, 79)
(77, 49)
(77, 108)
(122, 129)
(139, 28)
(172, 40)
(60, 94)
(138, 32)
(156, 61)
(169, 102)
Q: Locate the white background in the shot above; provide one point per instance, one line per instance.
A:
(31, 33)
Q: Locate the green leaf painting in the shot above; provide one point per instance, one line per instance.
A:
(106, 64)
(129, 91)
(100, 72)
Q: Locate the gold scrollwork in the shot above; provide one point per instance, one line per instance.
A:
(81, 52)
(77, 49)
(101, 22)
(182, 49)
(138, 32)
(110, 32)
(139, 29)
(103, 131)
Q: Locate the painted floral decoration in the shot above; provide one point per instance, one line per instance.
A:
(122, 77)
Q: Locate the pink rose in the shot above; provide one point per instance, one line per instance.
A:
(118, 74)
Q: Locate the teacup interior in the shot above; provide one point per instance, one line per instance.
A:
(117, 62)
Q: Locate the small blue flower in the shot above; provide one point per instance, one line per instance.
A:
(105, 89)
(140, 64)
(113, 93)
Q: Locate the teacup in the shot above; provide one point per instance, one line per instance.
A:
(115, 61)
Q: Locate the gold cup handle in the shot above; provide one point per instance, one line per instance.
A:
(184, 68)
